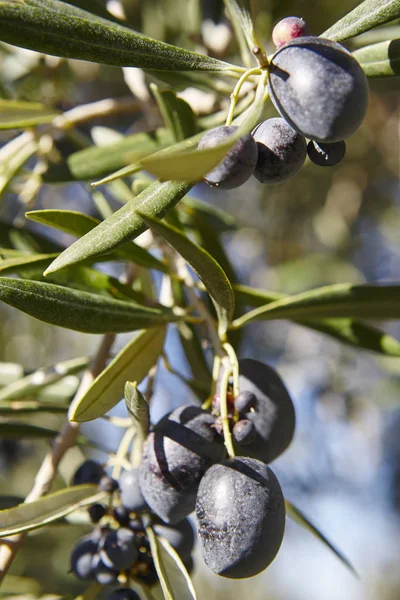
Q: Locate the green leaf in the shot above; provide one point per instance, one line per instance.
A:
(177, 114)
(175, 163)
(77, 310)
(10, 372)
(18, 430)
(348, 331)
(10, 234)
(158, 558)
(51, 28)
(332, 301)
(365, 16)
(30, 384)
(139, 411)
(300, 518)
(176, 569)
(209, 271)
(240, 14)
(94, 162)
(15, 114)
(14, 155)
(78, 224)
(29, 407)
(137, 407)
(52, 507)
(133, 362)
(125, 224)
(380, 60)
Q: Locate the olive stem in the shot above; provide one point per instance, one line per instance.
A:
(236, 92)
(235, 367)
(122, 451)
(224, 411)
(215, 378)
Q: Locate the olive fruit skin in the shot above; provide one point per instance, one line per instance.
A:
(273, 416)
(123, 594)
(129, 491)
(82, 557)
(244, 432)
(319, 88)
(289, 29)
(240, 512)
(281, 151)
(103, 573)
(326, 155)
(238, 164)
(175, 457)
(180, 536)
(89, 472)
(96, 512)
(118, 549)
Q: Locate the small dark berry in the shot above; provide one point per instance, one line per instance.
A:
(96, 512)
(108, 484)
(118, 549)
(129, 492)
(123, 594)
(245, 401)
(103, 574)
(89, 472)
(121, 515)
(326, 155)
(82, 558)
(244, 432)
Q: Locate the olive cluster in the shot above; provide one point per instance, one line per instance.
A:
(238, 501)
(118, 549)
(321, 93)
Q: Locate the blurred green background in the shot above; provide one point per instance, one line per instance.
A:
(324, 226)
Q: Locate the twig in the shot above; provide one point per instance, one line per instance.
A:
(48, 470)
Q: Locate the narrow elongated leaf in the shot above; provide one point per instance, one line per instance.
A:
(52, 507)
(177, 114)
(209, 271)
(30, 407)
(137, 407)
(181, 164)
(12, 162)
(139, 411)
(95, 162)
(177, 571)
(132, 362)
(78, 224)
(365, 16)
(77, 310)
(300, 518)
(332, 301)
(157, 554)
(348, 331)
(61, 33)
(380, 60)
(25, 431)
(125, 224)
(17, 114)
(41, 378)
(10, 372)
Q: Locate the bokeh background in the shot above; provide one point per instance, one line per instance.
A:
(325, 226)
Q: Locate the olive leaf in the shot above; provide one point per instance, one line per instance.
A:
(13, 156)
(124, 225)
(52, 28)
(133, 362)
(52, 507)
(96, 162)
(139, 410)
(16, 114)
(10, 372)
(176, 569)
(239, 12)
(77, 310)
(177, 114)
(380, 60)
(78, 224)
(213, 216)
(365, 16)
(300, 518)
(206, 267)
(30, 407)
(348, 331)
(333, 301)
(30, 384)
(181, 164)
(158, 558)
